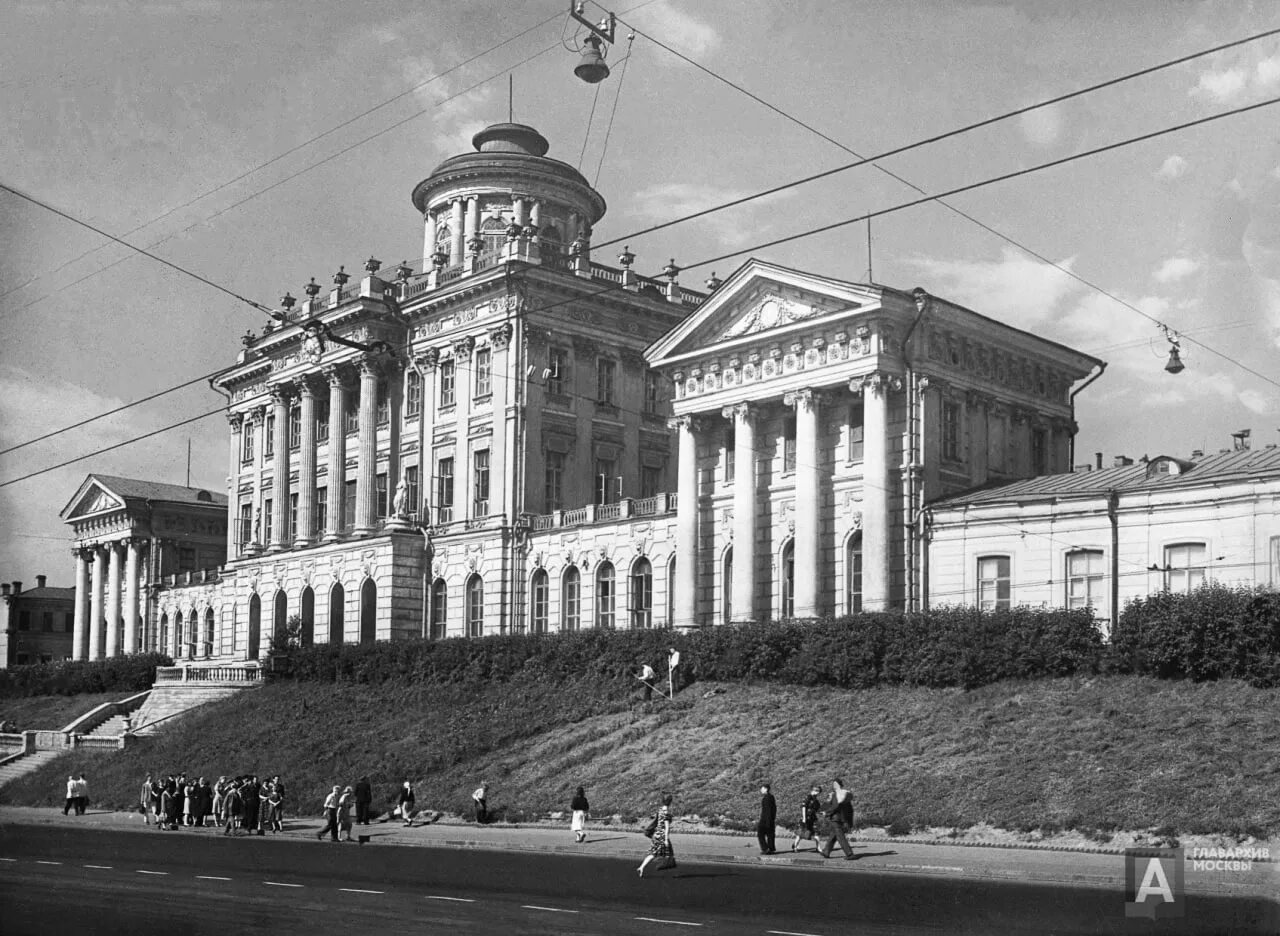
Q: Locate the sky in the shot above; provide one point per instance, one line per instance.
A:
(187, 128)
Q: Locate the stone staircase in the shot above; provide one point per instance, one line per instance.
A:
(113, 727)
(13, 769)
(168, 702)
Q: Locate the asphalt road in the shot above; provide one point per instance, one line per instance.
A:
(84, 881)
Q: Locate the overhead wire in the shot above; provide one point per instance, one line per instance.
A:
(1018, 173)
(614, 111)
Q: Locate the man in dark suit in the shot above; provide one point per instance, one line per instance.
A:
(768, 821)
(842, 813)
(364, 796)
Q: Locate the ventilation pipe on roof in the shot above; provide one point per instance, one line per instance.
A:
(17, 588)
(40, 580)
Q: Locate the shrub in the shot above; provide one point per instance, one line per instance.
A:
(132, 672)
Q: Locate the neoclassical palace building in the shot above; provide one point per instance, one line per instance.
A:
(519, 438)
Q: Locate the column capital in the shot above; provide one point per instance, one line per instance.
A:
(803, 399)
(878, 382)
(927, 382)
(338, 375)
(428, 359)
(309, 385)
(688, 421)
(462, 347)
(259, 412)
(744, 411)
(500, 337)
(282, 393)
(235, 421)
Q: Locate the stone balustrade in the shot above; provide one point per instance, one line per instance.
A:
(209, 674)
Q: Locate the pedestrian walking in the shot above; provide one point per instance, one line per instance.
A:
(364, 797)
(219, 791)
(647, 676)
(659, 831)
(145, 801)
(841, 812)
(331, 814)
(345, 802)
(480, 799)
(767, 826)
(72, 788)
(405, 803)
(580, 808)
(82, 795)
(232, 807)
(275, 809)
(808, 820)
(189, 803)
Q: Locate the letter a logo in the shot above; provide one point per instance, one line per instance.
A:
(1150, 890)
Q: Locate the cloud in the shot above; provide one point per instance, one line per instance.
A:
(1222, 85)
(678, 29)
(677, 199)
(1042, 126)
(1267, 72)
(1015, 289)
(1174, 269)
(1172, 168)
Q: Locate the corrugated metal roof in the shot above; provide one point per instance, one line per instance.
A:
(158, 490)
(1235, 465)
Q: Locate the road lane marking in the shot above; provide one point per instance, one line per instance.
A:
(788, 933)
(548, 909)
(358, 890)
(157, 873)
(100, 867)
(672, 922)
(211, 877)
(282, 884)
(454, 899)
(49, 862)
(8, 859)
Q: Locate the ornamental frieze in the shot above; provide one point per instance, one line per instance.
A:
(501, 305)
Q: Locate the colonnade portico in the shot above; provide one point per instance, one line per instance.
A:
(747, 592)
(108, 599)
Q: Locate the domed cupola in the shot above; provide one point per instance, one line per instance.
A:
(507, 188)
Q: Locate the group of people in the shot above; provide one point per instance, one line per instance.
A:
(838, 808)
(357, 798)
(240, 805)
(77, 795)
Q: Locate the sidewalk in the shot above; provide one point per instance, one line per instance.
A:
(1262, 879)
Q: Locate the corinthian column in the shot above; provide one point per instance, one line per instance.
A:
(685, 602)
(95, 604)
(808, 503)
(236, 422)
(336, 479)
(457, 237)
(280, 472)
(743, 595)
(875, 491)
(113, 599)
(78, 646)
(307, 467)
(131, 606)
(366, 466)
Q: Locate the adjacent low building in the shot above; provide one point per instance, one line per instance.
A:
(35, 625)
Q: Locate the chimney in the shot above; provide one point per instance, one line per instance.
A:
(1098, 458)
(17, 588)
(40, 580)
(1121, 461)
(1197, 453)
(4, 590)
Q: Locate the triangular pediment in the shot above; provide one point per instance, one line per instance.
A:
(757, 300)
(94, 497)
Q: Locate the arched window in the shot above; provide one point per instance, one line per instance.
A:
(726, 587)
(280, 621)
(571, 600)
(494, 232)
(606, 596)
(853, 574)
(439, 609)
(206, 648)
(550, 246)
(788, 581)
(641, 602)
(307, 609)
(475, 606)
(163, 644)
(444, 238)
(671, 591)
(255, 627)
(337, 608)
(176, 649)
(227, 639)
(368, 612)
(539, 600)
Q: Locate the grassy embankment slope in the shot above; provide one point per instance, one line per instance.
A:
(52, 712)
(1098, 754)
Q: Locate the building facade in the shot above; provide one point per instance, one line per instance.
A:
(518, 438)
(1098, 538)
(130, 535)
(36, 624)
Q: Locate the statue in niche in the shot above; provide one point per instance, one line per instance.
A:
(257, 526)
(400, 503)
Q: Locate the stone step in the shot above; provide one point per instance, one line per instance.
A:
(113, 727)
(25, 765)
(167, 703)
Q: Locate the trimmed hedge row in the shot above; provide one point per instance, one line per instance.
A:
(1215, 632)
(131, 673)
(946, 647)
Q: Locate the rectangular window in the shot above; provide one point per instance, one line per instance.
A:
(46, 622)
(69, 623)
(951, 431)
(606, 598)
(349, 505)
(480, 479)
(854, 573)
(246, 526)
(1184, 565)
(608, 484)
(1275, 561)
(571, 603)
(993, 583)
(24, 620)
(413, 394)
(444, 490)
(447, 377)
(380, 485)
(553, 482)
(606, 381)
(295, 427)
(541, 603)
(557, 370)
(642, 596)
(322, 420)
(411, 488)
(652, 391)
(322, 510)
(788, 446)
(352, 411)
(1039, 452)
(383, 407)
(1086, 581)
(187, 558)
(269, 443)
(484, 372)
(856, 435)
(730, 456)
(293, 517)
(650, 481)
(246, 442)
(266, 522)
